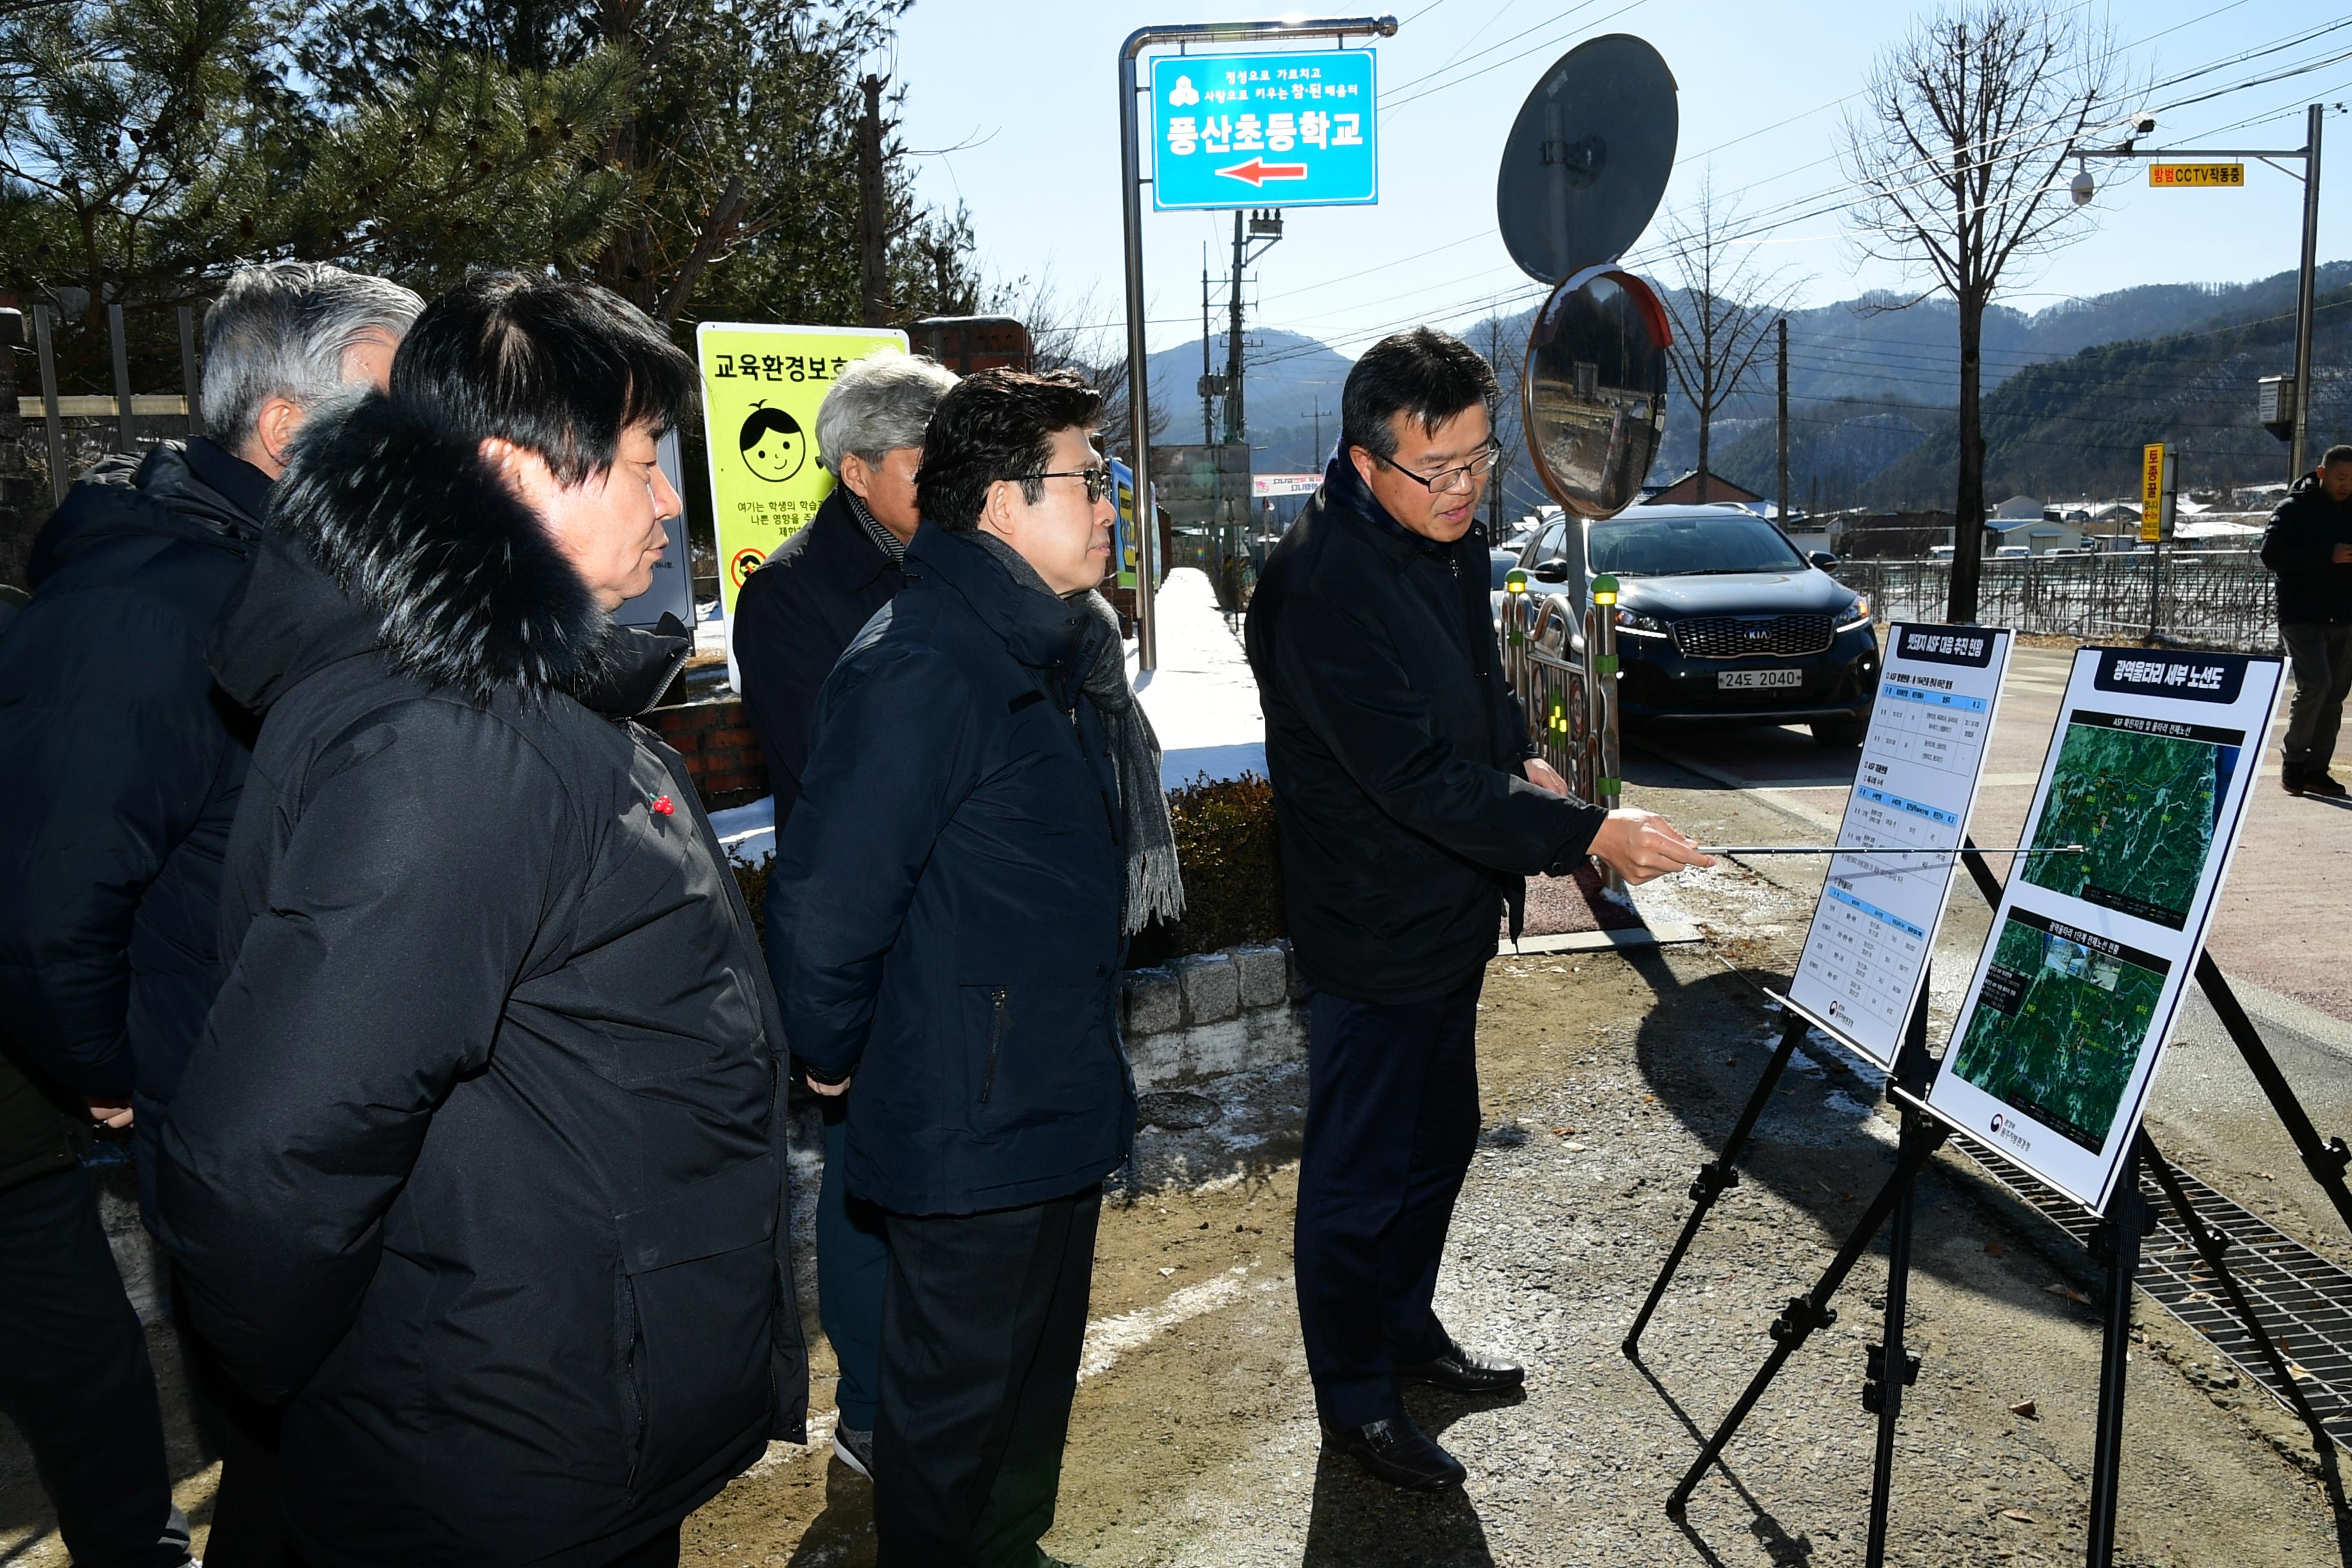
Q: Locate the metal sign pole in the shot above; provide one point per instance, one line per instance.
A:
(1138, 378)
(53, 426)
(125, 426)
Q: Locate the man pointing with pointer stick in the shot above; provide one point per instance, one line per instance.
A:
(1411, 806)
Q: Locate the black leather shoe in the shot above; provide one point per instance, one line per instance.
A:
(1467, 1372)
(1400, 1453)
(2322, 786)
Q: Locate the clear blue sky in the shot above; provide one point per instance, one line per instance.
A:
(1030, 91)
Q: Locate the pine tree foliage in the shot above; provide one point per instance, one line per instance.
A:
(698, 156)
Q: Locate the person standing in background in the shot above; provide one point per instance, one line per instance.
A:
(792, 618)
(121, 766)
(2309, 545)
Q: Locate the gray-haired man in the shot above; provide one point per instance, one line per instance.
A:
(793, 617)
(120, 770)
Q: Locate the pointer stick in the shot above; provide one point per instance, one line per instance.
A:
(1872, 850)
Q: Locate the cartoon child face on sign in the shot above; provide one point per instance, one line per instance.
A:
(773, 447)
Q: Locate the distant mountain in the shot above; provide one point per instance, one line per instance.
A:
(2072, 392)
(1287, 379)
(2075, 426)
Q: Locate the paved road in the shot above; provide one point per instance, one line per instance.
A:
(2279, 933)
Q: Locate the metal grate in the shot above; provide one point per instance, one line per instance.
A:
(1737, 636)
(2304, 1301)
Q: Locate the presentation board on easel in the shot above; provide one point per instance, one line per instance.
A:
(1874, 928)
(2072, 1000)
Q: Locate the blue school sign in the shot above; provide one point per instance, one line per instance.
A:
(1264, 130)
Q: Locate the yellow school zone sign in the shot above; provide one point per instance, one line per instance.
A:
(762, 384)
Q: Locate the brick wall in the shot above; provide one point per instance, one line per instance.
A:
(713, 735)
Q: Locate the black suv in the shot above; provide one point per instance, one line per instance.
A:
(1719, 617)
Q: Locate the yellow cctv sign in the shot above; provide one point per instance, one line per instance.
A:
(761, 388)
(2202, 176)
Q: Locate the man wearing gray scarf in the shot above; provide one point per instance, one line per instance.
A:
(981, 827)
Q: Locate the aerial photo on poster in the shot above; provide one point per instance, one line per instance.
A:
(2060, 1024)
(2144, 803)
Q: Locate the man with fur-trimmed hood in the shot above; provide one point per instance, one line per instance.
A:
(479, 1165)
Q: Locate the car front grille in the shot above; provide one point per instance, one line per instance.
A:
(1738, 636)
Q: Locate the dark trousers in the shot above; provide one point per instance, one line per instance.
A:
(2322, 659)
(74, 1376)
(982, 1327)
(1392, 1119)
(249, 1523)
(853, 1267)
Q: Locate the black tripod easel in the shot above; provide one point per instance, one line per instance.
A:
(2115, 1242)
(1720, 1174)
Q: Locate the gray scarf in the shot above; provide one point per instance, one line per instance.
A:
(1155, 886)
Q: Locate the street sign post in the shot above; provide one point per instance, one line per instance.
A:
(1241, 193)
(2157, 497)
(2198, 176)
(1290, 129)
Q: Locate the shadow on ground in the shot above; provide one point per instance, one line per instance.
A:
(1360, 1522)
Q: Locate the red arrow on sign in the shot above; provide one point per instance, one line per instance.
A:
(1257, 172)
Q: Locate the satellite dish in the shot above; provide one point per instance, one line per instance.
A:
(1588, 159)
(1594, 394)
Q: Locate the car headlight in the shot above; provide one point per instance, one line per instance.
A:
(1856, 615)
(1634, 623)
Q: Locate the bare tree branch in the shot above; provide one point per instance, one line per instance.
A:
(1958, 150)
(1722, 307)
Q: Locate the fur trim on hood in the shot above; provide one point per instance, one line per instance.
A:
(408, 520)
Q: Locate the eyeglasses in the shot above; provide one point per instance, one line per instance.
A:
(1097, 481)
(1447, 481)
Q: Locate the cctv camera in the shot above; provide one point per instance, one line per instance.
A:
(2144, 124)
(2083, 188)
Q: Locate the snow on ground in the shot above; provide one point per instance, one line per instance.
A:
(1202, 699)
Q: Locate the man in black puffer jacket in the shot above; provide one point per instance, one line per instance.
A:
(480, 1164)
(2309, 545)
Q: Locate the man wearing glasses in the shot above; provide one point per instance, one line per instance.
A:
(980, 825)
(1413, 808)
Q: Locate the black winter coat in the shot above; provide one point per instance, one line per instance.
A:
(2299, 545)
(953, 887)
(1395, 747)
(479, 1164)
(792, 618)
(120, 768)
(43, 1127)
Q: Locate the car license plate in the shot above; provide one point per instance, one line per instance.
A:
(1747, 679)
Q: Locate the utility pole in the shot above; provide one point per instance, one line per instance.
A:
(873, 210)
(2299, 451)
(1781, 327)
(1318, 430)
(1235, 426)
(1208, 411)
(2303, 312)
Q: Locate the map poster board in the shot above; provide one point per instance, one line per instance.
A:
(761, 388)
(1874, 930)
(2072, 1000)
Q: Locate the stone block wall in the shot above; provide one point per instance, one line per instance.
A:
(1213, 1013)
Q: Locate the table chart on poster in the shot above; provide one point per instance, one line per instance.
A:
(1866, 955)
